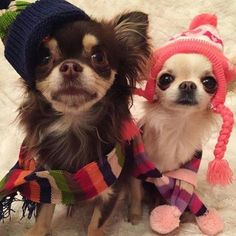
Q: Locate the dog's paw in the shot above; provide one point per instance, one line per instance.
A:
(95, 232)
(37, 232)
(134, 219)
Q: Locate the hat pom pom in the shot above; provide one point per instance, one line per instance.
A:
(203, 19)
(219, 172)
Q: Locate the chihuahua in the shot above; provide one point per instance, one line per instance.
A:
(175, 125)
(73, 114)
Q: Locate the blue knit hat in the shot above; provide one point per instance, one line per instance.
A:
(31, 26)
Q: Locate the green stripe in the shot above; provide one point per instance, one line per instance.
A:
(7, 18)
(2, 184)
(21, 5)
(67, 195)
(120, 155)
(3, 181)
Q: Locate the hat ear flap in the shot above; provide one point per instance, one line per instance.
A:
(219, 171)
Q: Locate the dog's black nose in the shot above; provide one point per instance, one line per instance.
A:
(187, 86)
(70, 69)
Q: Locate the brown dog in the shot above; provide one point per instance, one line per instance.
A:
(84, 77)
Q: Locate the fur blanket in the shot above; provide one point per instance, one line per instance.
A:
(167, 17)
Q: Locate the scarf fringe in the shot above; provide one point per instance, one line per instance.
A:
(29, 208)
(6, 206)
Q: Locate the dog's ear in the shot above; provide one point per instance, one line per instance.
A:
(232, 84)
(131, 31)
(131, 28)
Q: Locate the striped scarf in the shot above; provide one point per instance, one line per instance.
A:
(59, 186)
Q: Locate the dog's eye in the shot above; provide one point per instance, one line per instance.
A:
(99, 59)
(44, 56)
(209, 84)
(165, 80)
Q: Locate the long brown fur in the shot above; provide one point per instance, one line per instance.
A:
(69, 140)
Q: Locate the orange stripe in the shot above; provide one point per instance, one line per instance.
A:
(35, 191)
(20, 179)
(97, 178)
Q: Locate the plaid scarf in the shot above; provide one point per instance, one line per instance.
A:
(59, 186)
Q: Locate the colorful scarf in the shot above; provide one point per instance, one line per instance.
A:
(59, 186)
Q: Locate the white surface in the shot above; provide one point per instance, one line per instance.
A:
(167, 17)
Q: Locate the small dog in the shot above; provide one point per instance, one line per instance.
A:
(187, 87)
(175, 125)
(181, 117)
(178, 122)
(84, 77)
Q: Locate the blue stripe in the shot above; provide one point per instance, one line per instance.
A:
(45, 187)
(45, 190)
(107, 173)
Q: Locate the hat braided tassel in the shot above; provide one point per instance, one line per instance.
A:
(219, 171)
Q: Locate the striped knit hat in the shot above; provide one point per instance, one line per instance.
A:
(27, 25)
(8, 13)
(202, 38)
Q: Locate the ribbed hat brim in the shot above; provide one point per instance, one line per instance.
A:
(214, 55)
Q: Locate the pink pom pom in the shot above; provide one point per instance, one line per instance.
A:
(164, 219)
(203, 19)
(210, 223)
(219, 172)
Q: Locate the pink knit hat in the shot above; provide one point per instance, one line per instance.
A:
(202, 38)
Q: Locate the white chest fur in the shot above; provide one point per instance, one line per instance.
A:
(171, 138)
